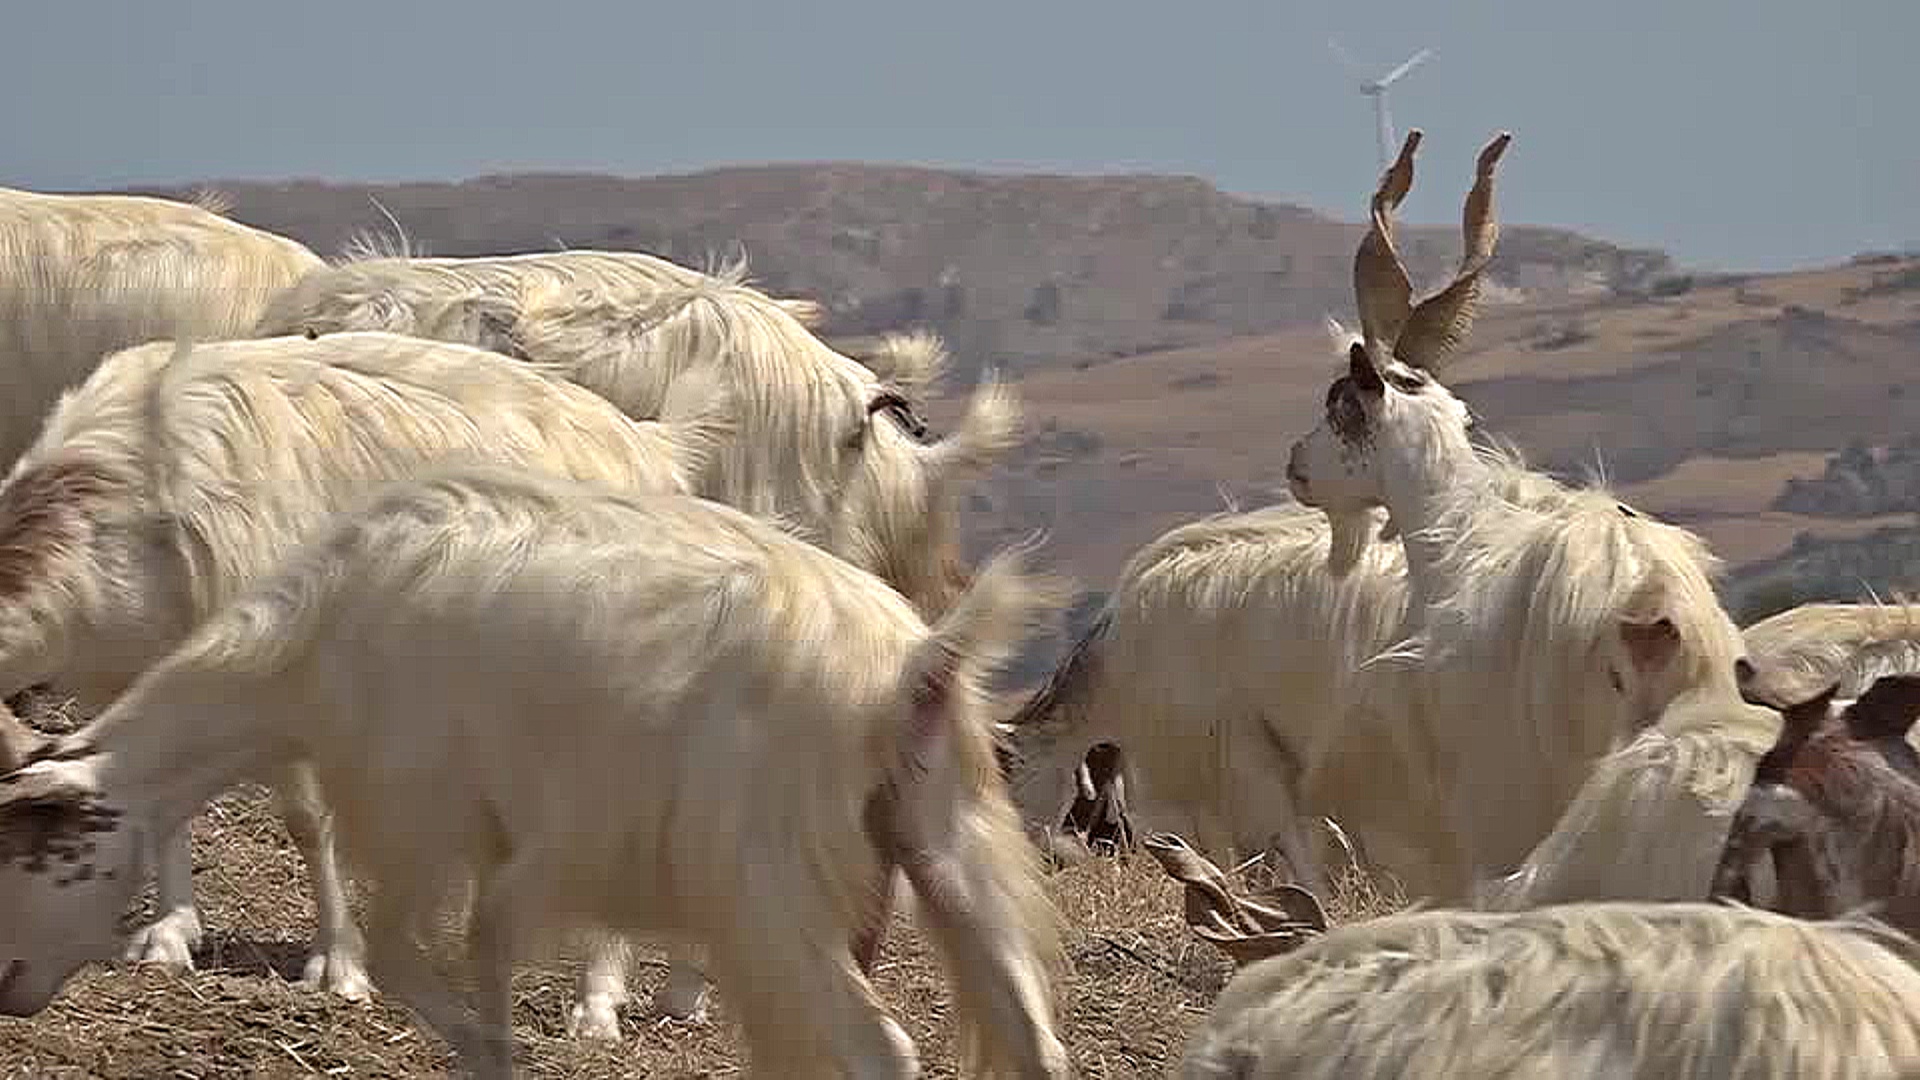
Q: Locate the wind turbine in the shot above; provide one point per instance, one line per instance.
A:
(1377, 90)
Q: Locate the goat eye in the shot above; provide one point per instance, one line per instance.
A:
(1619, 684)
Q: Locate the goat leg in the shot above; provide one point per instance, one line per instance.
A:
(867, 943)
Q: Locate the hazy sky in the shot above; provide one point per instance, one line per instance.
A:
(1753, 134)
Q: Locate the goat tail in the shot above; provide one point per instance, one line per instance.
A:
(990, 428)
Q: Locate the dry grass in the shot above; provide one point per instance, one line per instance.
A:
(1139, 984)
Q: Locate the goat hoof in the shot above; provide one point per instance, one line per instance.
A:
(167, 942)
(594, 1018)
(337, 973)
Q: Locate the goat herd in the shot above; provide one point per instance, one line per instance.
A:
(594, 595)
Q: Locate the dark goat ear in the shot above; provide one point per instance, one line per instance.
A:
(1887, 710)
(1805, 716)
(1365, 375)
(896, 405)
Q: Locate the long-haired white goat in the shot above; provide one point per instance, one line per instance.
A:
(174, 476)
(82, 276)
(1606, 991)
(651, 713)
(1546, 636)
(1240, 752)
(1595, 618)
(628, 325)
(810, 445)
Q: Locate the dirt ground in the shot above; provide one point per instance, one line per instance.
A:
(1139, 983)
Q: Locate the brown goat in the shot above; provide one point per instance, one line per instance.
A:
(1836, 805)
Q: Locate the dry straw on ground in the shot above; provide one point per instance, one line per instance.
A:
(1140, 983)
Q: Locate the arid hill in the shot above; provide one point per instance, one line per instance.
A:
(1022, 271)
(1698, 405)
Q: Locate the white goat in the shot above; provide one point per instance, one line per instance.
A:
(628, 325)
(808, 449)
(1219, 751)
(650, 713)
(1280, 718)
(1543, 636)
(1651, 819)
(174, 477)
(85, 275)
(1605, 991)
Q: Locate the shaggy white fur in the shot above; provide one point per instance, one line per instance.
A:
(84, 275)
(1576, 992)
(737, 736)
(174, 477)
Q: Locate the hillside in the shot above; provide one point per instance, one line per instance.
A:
(1167, 335)
(1699, 407)
(1019, 270)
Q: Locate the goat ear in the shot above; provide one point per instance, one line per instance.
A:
(1365, 376)
(1802, 717)
(1650, 645)
(896, 405)
(1887, 710)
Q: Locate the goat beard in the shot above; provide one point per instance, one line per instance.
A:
(1352, 532)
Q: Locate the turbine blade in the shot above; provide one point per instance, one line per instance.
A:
(1347, 59)
(1412, 62)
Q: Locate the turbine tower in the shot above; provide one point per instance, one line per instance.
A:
(1377, 90)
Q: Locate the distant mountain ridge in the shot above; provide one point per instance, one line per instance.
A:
(1015, 270)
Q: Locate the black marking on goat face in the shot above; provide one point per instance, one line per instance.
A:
(39, 831)
(1347, 413)
(1351, 396)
